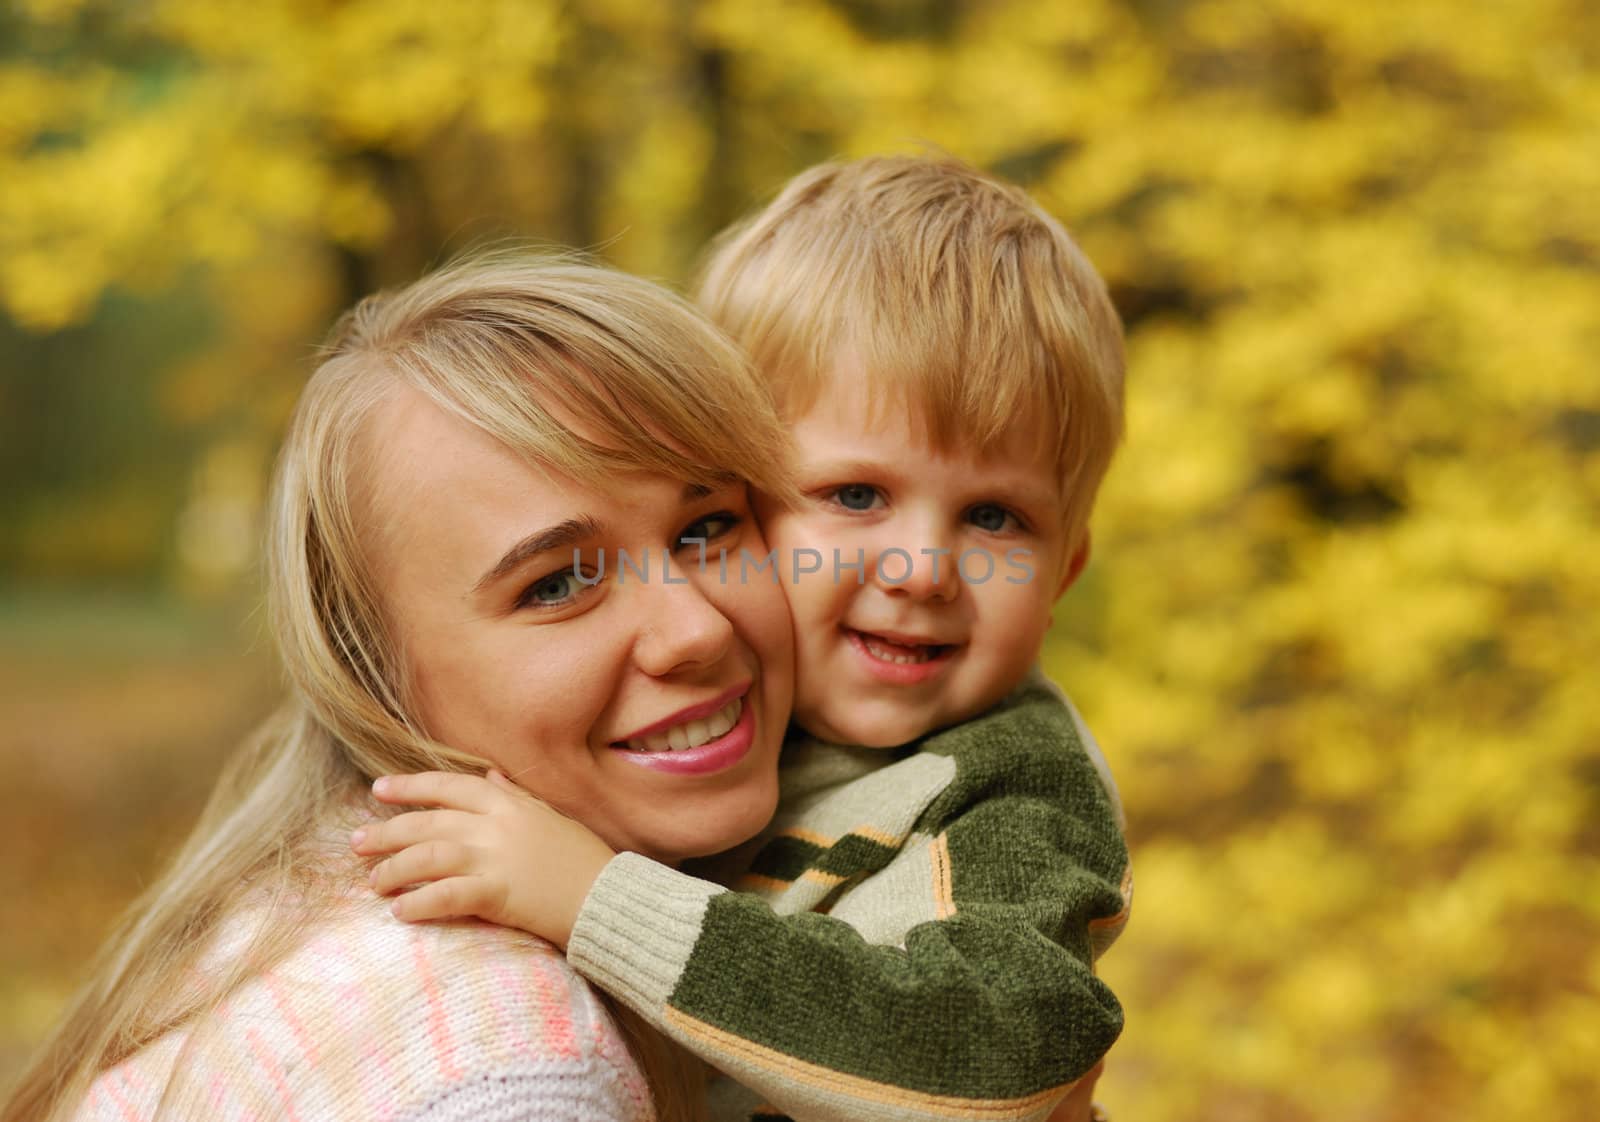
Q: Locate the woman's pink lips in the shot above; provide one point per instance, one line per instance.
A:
(898, 673)
(715, 755)
(692, 713)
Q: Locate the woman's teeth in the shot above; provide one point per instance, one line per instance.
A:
(691, 734)
(904, 655)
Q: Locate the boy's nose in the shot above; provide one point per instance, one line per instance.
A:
(920, 572)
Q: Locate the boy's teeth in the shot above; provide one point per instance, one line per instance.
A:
(897, 652)
(691, 734)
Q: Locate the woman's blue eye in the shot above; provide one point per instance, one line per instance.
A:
(856, 496)
(994, 519)
(709, 528)
(555, 589)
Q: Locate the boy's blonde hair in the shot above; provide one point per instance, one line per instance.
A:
(959, 296)
(582, 370)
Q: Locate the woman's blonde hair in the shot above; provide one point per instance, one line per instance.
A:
(533, 351)
(959, 298)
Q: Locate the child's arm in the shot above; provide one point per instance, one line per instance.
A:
(974, 996)
(969, 886)
(494, 852)
(979, 1014)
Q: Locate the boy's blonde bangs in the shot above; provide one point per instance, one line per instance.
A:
(963, 303)
(584, 371)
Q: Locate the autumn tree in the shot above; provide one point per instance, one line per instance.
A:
(1336, 631)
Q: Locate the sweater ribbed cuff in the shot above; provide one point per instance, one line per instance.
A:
(637, 928)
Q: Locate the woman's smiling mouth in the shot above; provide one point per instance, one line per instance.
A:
(690, 734)
(705, 738)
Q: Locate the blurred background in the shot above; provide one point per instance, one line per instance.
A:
(1346, 576)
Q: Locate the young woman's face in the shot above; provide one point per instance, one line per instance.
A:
(650, 709)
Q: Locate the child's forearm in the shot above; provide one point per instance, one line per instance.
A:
(977, 1015)
(969, 887)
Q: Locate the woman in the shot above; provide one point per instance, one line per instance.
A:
(461, 440)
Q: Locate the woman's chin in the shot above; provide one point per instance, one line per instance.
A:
(701, 834)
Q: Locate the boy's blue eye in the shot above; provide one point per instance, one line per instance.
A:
(856, 496)
(994, 519)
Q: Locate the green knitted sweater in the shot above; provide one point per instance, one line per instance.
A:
(912, 937)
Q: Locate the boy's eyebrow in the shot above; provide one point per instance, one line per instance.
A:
(845, 467)
(559, 536)
(1033, 494)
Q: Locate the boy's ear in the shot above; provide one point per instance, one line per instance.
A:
(1080, 558)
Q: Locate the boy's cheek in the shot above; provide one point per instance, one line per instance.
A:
(804, 553)
(787, 531)
(794, 597)
(774, 517)
(784, 528)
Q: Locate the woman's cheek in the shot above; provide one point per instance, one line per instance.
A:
(532, 718)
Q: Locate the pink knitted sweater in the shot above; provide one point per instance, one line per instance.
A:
(373, 1019)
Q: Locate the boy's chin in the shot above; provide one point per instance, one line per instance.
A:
(864, 730)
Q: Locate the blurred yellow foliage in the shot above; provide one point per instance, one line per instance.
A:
(1346, 570)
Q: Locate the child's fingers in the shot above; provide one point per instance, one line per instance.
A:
(413, 828)
(504, 782)
(436, 788)
(430, 861)
(457, 896)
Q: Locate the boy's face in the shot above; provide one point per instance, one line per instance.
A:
(962, 558)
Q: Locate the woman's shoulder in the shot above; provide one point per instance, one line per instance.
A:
(368, 1017)
(464, 1012)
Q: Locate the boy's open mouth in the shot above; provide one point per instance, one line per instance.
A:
(899, 651)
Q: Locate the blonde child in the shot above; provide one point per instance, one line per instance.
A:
(914, 934)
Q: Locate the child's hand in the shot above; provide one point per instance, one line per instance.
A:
(493, 851)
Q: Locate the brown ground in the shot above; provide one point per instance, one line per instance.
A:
(109, 746)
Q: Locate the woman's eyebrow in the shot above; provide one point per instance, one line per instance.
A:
(559, 536)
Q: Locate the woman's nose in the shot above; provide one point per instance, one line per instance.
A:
(679, 628)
